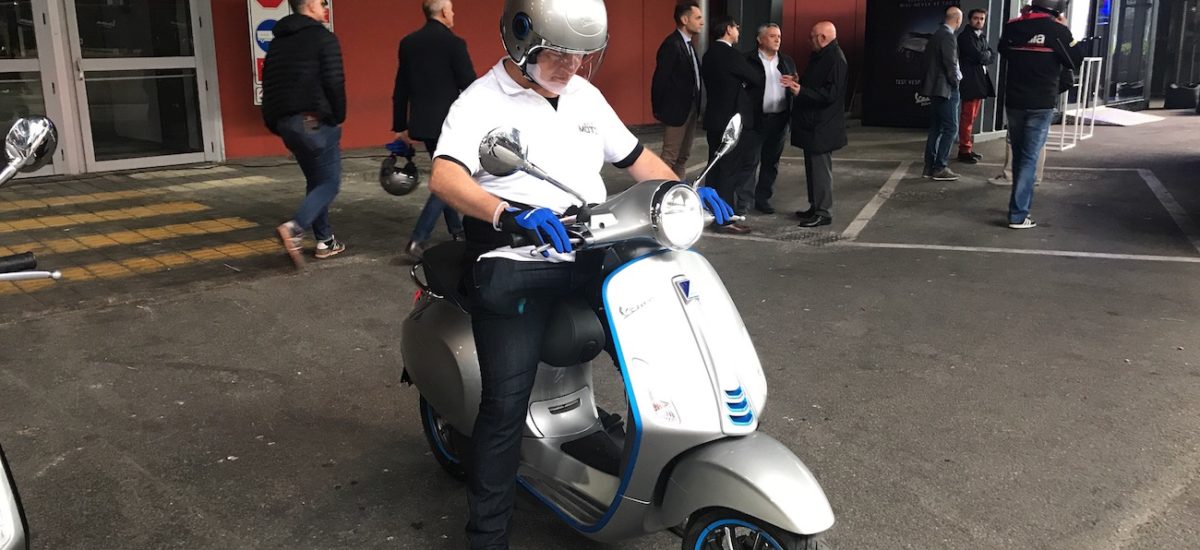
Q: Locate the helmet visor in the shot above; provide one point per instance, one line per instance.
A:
(554, 68)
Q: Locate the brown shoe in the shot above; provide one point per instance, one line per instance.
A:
(293, 242)
(733, 229)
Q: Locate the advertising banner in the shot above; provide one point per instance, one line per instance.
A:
(897, 31)
(264, 14)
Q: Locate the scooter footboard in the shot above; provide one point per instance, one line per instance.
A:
(755, 475)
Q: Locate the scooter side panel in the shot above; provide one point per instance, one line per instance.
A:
(444, 366)
(755, 475)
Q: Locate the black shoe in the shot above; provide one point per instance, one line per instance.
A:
(967, 159)
(733, 229)
(816, 221)
(764, 208)
(806, 214)
(415, 250)
(977, 156)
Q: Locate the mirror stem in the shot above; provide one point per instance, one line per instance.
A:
(8, 173)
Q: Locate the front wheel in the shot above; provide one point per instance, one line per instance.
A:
(722, 529)
(447, 444)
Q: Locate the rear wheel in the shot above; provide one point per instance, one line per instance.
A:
(447, 444)
(722, 529)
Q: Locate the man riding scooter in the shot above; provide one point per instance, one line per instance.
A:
(571, 131)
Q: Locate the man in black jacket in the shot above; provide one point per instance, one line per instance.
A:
(942, 75)
(304, 102)
(434, 67)
(676, 88)
(974, 57)
(772, 110)
(729, 80)
(1035, 47)
(819, 120)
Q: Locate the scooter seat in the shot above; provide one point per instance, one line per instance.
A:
(443, 266)
(574, 334)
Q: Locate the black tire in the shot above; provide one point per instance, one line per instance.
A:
(750, 533)
(446, 443)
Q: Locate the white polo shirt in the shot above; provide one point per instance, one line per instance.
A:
(571, 143)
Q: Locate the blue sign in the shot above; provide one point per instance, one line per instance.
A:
(265, 33)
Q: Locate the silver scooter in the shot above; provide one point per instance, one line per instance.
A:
(13, 527)
(692, 460)
(29, 145)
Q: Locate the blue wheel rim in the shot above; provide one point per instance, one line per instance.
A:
(436, 425)
(734, 523)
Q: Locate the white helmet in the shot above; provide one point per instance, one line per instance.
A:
(568, 37)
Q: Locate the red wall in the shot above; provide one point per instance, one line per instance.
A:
(370, 31)
(850, 18)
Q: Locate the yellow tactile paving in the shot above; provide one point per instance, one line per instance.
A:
(167, 174)
(92, 198)
(135, 236)
(119, 214)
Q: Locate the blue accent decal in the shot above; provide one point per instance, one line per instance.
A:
(743, 420)
(685, 287)
(739, 408)
(637, 422)
(735, 394)
(737, 523)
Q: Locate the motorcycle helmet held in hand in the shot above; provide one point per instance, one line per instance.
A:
(395, 179)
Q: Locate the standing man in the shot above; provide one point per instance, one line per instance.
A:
(1036, 48)
(940, 84)
(304, 102)
(819, 120)
(729, 80)
(772, 109)
(974, 56)
(676, 88)
(434, 68)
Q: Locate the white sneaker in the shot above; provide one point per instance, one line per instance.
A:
(1028, 223)
(1000, 180)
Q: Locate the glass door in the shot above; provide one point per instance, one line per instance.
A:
(23, 89)
(140, 87)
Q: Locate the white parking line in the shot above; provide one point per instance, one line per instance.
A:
(1025, 252)
(864, 217)
(1181, 217)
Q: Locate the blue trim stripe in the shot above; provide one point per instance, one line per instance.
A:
(736, 523)
(637, 422)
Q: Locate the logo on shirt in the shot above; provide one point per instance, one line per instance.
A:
(588, 128)
(1039, 40)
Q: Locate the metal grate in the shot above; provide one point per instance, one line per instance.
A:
(919, 196)
(810, 237)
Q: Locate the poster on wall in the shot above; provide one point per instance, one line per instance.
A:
(897, 31)
(264, 14)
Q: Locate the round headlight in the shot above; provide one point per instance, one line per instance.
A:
(678, 217)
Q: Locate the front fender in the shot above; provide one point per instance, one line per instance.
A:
(755, 475)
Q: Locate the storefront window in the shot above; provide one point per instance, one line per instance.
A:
(17, 40)
(134, 28)
(1131, 53)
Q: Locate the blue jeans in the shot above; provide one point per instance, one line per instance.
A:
(316, 146)
(943, 131)
(512, 303)
(435, 207)
(1027, 131)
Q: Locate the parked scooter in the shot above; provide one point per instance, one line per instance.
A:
(692, 455)
(30, 144)
(13, 528)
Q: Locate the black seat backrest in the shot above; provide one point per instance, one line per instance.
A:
(443, 266)
(574, 334)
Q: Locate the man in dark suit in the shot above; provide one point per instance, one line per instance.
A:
(940, 84)
(434, 68)
(772, 110)
(676, 87)
(729, 80)
(974, 56)
(819, 120)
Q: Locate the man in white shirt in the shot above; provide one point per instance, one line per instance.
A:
(541, 88)
(772, 112)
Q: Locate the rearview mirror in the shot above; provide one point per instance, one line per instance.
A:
(31, 143)
(501, 152)
(733, 131)
(13, 528)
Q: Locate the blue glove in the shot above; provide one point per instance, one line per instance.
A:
(540, 225)
(713, 203)
(400, 149)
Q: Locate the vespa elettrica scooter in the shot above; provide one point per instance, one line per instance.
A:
(692, 455)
